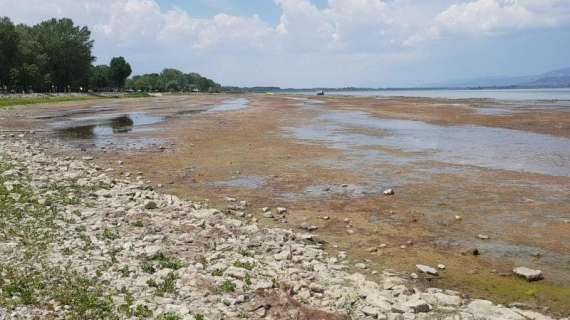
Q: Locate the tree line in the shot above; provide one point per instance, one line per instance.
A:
(56, 56)
(172, 80)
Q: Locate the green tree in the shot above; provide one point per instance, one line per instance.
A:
(173, 80)
(119, 71)
(99, 77)
(66, 51)
(9, 55)
(28, 76)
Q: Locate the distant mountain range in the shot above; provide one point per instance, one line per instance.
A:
(554, 79)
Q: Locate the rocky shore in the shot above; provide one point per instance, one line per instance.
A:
(82, 242)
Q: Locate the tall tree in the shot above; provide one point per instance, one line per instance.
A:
(67, 50)
(119, 71)
(8, 50)
(99, 77)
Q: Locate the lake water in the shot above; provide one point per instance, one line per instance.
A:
(230, 105)
(506, 94)
(486, 147)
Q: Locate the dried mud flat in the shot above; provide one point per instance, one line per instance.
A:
(272, 153)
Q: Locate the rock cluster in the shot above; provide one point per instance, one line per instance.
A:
(155, 255)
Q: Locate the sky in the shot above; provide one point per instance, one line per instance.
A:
(321, 43)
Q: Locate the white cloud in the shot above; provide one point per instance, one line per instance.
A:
(491, 17)
(366, 34)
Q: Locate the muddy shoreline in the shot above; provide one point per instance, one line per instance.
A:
(271, 153)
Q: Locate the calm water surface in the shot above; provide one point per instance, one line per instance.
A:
(506, 94)
(486, 147)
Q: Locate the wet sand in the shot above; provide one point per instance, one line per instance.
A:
(503, 167)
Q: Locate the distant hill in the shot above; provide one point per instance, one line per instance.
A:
(556, 78)
(553, 79)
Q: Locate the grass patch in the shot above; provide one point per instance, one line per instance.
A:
(85, 298)
(168, 286)
(8, 102)
(138, 224)
(218, 272)
(109, 234)
(244, 265)
(228, 286)
(18, 101)
(165, 262)
(23, 217)
(169, 316)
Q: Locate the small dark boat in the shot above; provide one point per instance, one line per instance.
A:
(322, 93)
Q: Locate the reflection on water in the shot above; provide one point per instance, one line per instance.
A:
(231, 105)
(121, 124)
(486, 147)
(107, 129)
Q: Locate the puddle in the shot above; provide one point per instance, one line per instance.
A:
(486, 147)
(328, 191)
(246, 182)
(189, 112)
(231, 105)
(107, 130)
(493, 111)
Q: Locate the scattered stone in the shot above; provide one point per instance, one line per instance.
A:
(234, 272)
(283, 255)
(528, 274)
(361, 265)
(441, 266)
(417, 305)
(268, 214)
(217, 265)
(370, 311)
(150, 205)
(483, 236)
(471, 251)
(389, 192)
(427, 270)
(281, 210)
(266, 209)
(379, 301)
(309, 227)
(458, 218)
(87, 158)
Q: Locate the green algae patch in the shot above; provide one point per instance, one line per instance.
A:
(507, 290)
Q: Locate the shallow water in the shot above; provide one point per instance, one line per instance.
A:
(108, 129)
(493, 148)
(506, 94)
(494, 111)
(230, 105)
(246, 182)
